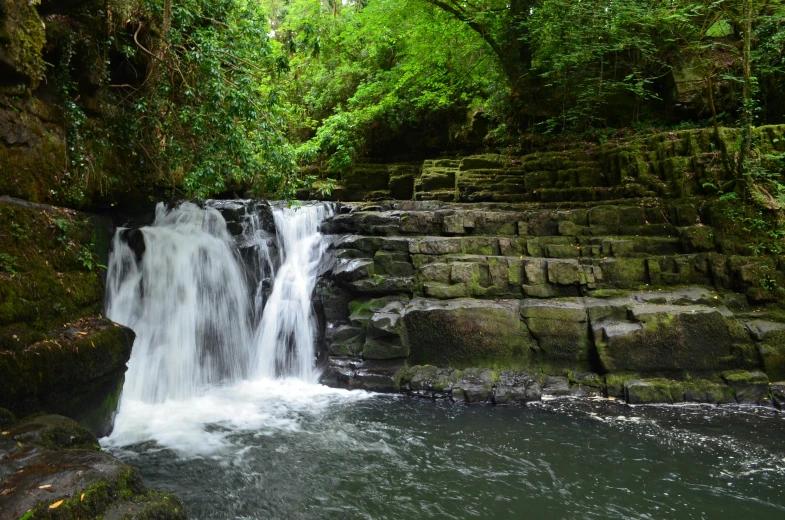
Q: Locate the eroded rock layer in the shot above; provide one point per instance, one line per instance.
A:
(643, 293)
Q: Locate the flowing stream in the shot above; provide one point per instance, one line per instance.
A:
(221, 406)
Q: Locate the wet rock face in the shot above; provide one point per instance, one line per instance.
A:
(464, 332)
(50, 467)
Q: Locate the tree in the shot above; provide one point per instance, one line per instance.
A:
(502, 24)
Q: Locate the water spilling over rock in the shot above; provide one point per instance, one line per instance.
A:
(201, 317)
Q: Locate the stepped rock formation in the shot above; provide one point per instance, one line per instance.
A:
(610, 271)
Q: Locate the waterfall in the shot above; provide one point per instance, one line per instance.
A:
(284, 338)
(199, 321)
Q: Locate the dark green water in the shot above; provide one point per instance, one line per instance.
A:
(398, 458)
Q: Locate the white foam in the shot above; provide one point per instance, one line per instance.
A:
(204, 425)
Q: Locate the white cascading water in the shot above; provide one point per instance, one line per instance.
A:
(284, 338)
(207, 360)
(186, 300)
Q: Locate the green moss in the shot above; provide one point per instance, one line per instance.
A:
(103, 496)
(51, 285)
(651, 391)
(609, 294)
(744, 377)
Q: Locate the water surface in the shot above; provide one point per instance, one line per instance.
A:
(288, 449)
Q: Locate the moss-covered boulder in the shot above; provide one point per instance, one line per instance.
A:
(56, 352)
(669, 338)
(52, 468)
(649, 391)
(53, 432)
(465, 332)
(750, 387)
(77, 370)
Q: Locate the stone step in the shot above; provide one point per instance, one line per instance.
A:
(445, 274)
(515, 387)
(632, 336)
(423, 218)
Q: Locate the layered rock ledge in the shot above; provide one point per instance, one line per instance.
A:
(651, 300)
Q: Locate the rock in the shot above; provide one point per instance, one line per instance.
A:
(392, 264)
(516, 387)
(476, 384)
(444, 291)
(386, 321)
(333, 300)
(436, 272)
(345, 340)
(561, 329)
(462, 332)
(53, 432)
(750, 387)
(697, 238)
(604, 220)
(53, 459)
(556, 386)
(663, 338)
(650, 391)
(7, 419)
(778, 394)
(708, 392)
(463, 272)
(376, 381)
(771, 345)
(382, 285)
(387, 347)
(77, 371)
(347, 270)
(431, 379)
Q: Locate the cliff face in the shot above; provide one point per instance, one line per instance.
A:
(609, 271)
(60, 138)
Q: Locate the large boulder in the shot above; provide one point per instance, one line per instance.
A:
(644, 337)
(463, 332)
(77, 371)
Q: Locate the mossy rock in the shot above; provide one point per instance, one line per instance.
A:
(750, 387)
(7, 419)
(53, 432)
(78, 365)
(651, 391)
(665, 338)
(464, 332)
(85, 484)
(49, 270)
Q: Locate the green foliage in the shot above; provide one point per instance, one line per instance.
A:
(360, 72)
(88, 258)
(594, 52)
(80, 162)
(8, 263)
(210, 117)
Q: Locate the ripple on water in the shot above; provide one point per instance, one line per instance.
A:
(270, 449)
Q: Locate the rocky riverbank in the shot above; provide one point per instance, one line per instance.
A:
(51, 467)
